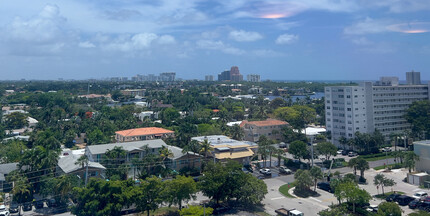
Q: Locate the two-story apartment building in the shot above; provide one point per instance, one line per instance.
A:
(148, 133)
(271, 128)
(140, 149)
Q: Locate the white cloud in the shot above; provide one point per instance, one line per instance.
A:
(137, 42)
(244, 36)
(219, 45)
(86, 44)
(367, 26)
(166, 39)
(43, 28)
(398, 6)
(286, 39)
(266, 53)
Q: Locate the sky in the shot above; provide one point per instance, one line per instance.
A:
(278, 39)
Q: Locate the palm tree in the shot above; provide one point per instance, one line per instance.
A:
(353, 164)
(193, 147)
(83, 161)
(279, 153)
(410, 159)
(394, 137)
(362, 165)
(236, 132)
(21, 188)
(263, 150)
(316, 174)
(205, 148)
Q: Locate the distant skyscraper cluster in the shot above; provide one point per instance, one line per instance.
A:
(163, 77)
(234, 75)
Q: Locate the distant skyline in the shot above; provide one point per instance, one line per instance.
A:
(278, 39)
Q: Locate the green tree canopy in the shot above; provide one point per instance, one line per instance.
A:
(389, 209)
(298, 149)
(180, 189)
(327, 149)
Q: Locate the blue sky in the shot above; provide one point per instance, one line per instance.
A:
(278, 39)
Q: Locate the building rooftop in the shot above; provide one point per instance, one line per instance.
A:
(223, 141)
(5, 169)
(268, 122)
(68, 164)
(127, 146)
(143, 131)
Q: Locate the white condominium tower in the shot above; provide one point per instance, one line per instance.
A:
(371, 106)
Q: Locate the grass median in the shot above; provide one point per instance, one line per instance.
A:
(284, 189)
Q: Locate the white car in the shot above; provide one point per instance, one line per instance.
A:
(3, 211)
(339, 152)
(265, 171)
(420, 195)
(285, 170)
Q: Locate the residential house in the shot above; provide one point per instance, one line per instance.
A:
(225, 148)
(148, 133)
(5, 169)
(68, 165)
(271, 128)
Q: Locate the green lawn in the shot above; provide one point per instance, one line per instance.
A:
(383, 167)
(284, 190)
(378, 158)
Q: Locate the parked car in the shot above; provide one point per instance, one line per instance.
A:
(392, 197)
(386, 149)
(325, 186)
(414, 204)
(14, 207)
(52, 203)
(39, 204)
(425, 206)
(344, 152)
(339, 152)
(352, 154)
(404, 200)
(285, 170)
(420, 195)
(3, 211)
(372, 208)
(266, 171)
(27, 206)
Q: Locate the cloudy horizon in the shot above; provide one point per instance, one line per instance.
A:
(278, 39)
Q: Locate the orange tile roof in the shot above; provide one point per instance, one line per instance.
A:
(143, 131)
(268, 122)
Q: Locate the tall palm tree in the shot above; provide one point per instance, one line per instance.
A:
(21, 189)
(237, 132)
(205, 148)
(316, 174)
(362, 165)
(263, 148)
(410, 159)
(279, 153)
(353, 164)
(193, 147)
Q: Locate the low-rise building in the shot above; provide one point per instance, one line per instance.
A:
(148, 133)
(422, 149)
(134, 92)
(68, 165)
(139, 150)
(225, 148)
(271, 128)
(5, 169)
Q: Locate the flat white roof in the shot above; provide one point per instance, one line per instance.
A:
(311, 131)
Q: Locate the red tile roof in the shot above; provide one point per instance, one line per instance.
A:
(143, 131)
(268, 122)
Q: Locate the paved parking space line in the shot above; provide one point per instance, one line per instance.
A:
(315, 199)
(276, 198)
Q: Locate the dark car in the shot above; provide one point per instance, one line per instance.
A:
(344, 152)
(27, 206)
(39, 204)
(404, 200)
(325, 186)
(14, 207)
(414, 204)
(392, 197)
(52, 203)
(425, 206)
